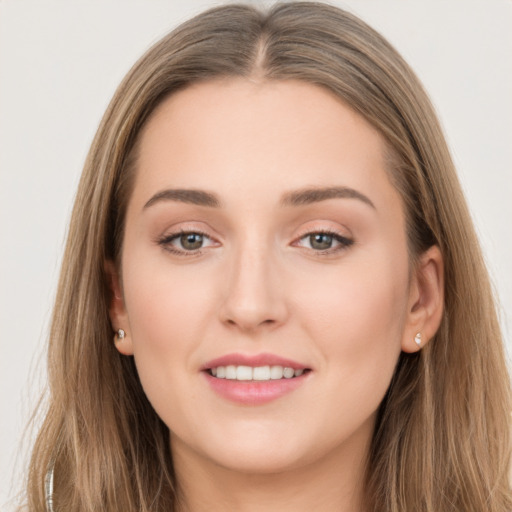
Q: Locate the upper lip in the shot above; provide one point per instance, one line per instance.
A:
(255, 360)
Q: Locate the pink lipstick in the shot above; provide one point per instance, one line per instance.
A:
(254, 379)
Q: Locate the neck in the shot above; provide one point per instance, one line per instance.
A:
(333, 483)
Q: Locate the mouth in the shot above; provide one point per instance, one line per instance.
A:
(254, 379)
(256, 373)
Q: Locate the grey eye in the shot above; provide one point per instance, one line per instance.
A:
(186, 243)
(191, 241)
(324, 242)
(320, 241)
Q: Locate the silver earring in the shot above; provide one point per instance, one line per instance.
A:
(120, 334)
(417, 339)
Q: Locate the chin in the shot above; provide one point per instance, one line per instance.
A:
(262, 452)
(258, 461)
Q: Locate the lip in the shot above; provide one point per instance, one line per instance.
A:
(254, 392)
(264, 359)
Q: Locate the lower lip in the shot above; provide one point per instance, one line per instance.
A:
(254, 392)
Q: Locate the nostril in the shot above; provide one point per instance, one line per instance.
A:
(248, 323)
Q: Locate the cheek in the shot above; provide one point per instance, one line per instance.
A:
(167, 311)
(357, 318)
(164, 303)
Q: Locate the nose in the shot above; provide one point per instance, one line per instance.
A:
(254, 296)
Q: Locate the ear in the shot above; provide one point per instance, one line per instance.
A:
(426, 300)
(117, 310)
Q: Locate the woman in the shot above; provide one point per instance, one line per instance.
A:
(272, 295)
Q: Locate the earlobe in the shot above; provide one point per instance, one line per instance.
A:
(117, 311)
(426, 301)
(123, 342)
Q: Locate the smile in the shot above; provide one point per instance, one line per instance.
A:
(258, 373)
(254, 379)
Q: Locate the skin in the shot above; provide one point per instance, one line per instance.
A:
(259, 285)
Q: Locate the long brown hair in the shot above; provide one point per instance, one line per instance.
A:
(441, 441)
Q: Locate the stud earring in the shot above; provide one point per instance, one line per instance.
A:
(120, 334)
(417, 339)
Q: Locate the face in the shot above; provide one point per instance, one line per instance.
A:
(263, 240)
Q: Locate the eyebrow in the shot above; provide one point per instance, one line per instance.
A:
(295, 198)
(315, 195)
(190, 196)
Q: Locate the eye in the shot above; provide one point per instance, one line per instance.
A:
(320, 241)
(324, 242)
(186, 241)
(191, 241)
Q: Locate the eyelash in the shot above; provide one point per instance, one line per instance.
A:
(343, 242)
(166, 241)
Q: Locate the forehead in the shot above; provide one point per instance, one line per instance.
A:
(244, 138)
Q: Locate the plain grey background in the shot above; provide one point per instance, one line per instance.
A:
(60, 63)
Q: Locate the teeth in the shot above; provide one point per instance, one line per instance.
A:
(276, 372)
(288, 373)
(243, 373)
(261, 373)
(231, 372)
(258, 373)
